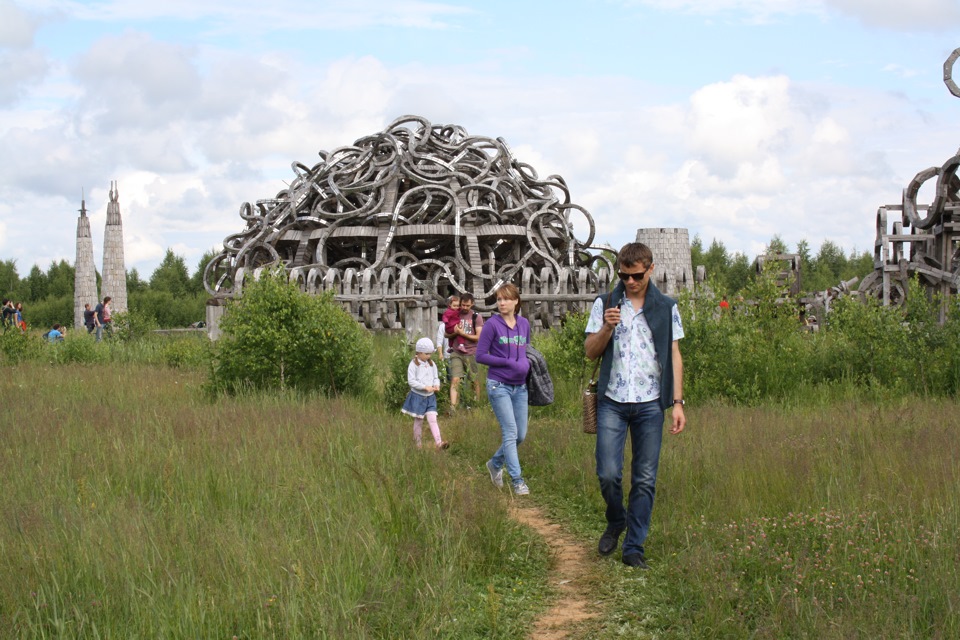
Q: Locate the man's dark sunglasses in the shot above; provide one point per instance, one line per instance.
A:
(636, 277)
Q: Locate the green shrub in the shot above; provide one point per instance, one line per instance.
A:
(878, 345)
(395, 387)
(191, 351)
(43, 314)
(18, 347)
(756, 350)
(131, 325)
(277, 337)
(563, 348)
(79, 347)
(168, 310)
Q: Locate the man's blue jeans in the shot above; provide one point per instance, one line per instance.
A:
(509, 402)
(644, 421)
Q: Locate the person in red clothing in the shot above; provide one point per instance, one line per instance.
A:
(463, 349)
(451, 318)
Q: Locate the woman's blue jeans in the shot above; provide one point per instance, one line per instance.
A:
(509, 402)
(644, 421)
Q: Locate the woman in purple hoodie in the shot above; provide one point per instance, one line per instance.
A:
(503, 348)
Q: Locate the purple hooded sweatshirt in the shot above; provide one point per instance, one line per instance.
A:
(504, 350)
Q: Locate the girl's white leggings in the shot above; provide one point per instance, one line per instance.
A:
(434, 428)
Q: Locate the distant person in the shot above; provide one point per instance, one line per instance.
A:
(18, 319)
(421, 402)
(463, 336)
(450, 313)
(724, 305)
(635, 331)
(9, 313)
(503, 348)
(55, 334)
(89, 318)
(103, 315)
(441, 342)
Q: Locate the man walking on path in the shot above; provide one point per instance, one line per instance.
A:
(635, 330)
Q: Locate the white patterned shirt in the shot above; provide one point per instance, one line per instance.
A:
(634, 372)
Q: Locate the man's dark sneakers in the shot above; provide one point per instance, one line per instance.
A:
(635, 560)
(609, 541)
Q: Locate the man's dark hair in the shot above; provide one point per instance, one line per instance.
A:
(635, 253)
(466, 297)
(107, 299)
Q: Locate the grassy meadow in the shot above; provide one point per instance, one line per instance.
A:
(839, 518)
(138, 505)
(134, 506)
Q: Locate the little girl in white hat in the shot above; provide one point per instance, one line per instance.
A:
(421, 402)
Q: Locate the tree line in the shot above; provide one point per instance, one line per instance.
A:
(731, 273)
(171, 297)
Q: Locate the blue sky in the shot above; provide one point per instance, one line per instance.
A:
(736, 119)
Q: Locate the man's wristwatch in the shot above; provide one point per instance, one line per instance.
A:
(679, 402)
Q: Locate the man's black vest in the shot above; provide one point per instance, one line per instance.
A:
(658, 310)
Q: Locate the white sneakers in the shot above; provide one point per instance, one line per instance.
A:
(496, 475)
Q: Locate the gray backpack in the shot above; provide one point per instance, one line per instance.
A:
(539, 384)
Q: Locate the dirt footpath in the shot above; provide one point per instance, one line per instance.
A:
(569, 574)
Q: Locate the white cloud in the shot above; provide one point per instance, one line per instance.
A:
(582, 147)
(897, 15)
(21, 66)
(829, 132)
(17, 27)
(743, 120)
(356, 86)
(256, 16)
(721, 6)
(758, 156)
(925, 15)
(232, 80)
(20, 70)
(901, 71)
(748, 11)
(133, 81)
(49, 153)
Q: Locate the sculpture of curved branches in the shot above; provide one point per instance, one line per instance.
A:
(406, 216)
(923, 241)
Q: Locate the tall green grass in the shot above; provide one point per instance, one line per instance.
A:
(813, 494)
(135, 507)
(832, 520)
(190, 350)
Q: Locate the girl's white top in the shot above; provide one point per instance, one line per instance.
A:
(423, 376)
